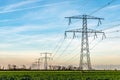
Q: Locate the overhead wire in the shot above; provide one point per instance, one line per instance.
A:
(71, 51)
(91, 48)
(111, 27)
(113, 31)
(59, 45)
(33, 8)
(65, 48)
(72, 58)
(57, 50)
(63, 39)
(115, 37)
(96, 44)
(109, 3)
(95, 12)
(63, 51)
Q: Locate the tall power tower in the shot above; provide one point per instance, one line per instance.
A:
(85, 62)
(46, 58)
(38, 62)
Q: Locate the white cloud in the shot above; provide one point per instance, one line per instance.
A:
(25, 28)
(47, 5)
(5, 45)
(113, 7)
(17, 5)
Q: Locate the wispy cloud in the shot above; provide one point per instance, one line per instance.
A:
(25, 28)
(112, 7)
(19, 4)
(7, 10)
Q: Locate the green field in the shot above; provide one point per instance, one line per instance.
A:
(59, 75)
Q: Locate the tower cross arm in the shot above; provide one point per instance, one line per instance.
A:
(46, 57)
(84, 17)
(80, 30)
(46, 53)
(94, 31)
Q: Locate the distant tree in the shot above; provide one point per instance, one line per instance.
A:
(74, 68)
(30, 68)
(50, 67)
(115, 69)
(63, 68)
(9, 66)
(14, 67)
(54, 67)
(70, 67)
(59, 67)
(23, 67)
(3, 68)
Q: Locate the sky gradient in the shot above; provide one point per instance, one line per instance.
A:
(30, 27)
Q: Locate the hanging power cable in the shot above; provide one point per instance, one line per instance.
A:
(65, 48)
(109, 3)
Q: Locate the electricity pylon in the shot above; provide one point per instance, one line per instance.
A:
(46, 58)
(85, 62)
(38, 62)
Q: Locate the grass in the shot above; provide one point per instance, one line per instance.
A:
(59, 75)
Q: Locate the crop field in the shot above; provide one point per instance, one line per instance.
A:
(59, 75)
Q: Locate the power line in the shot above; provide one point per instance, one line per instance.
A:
(115, 37)
(78, 47)
(109, 3)
(111, 27)
(97, 11)
(83, 4)
(71, 51)
(107, 37)
(58, 48)
(57, 45)
(65, 48)
(113, 31)
(72, 58)
(96, 44)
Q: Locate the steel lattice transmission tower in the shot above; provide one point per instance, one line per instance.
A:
(85, 62)
(38, 62)
(46, 58)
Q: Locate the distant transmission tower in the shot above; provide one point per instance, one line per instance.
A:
(85, 62)
(46, 60)
(38, 62)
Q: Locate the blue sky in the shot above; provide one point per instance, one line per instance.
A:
(29, 27)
